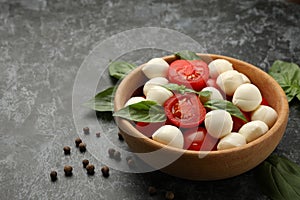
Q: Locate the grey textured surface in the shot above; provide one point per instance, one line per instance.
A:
(43, 44)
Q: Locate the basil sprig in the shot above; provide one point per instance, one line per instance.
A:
(144, 111)
(187, 55)
(279, 178)
(103, 101)
(233, 110)
(288, 77)
(183, 89)
(120, 69)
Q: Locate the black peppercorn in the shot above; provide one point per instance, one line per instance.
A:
(120, 136)
(82, 147)
(85, 162)
(117, 155)
(98, 134)
(90, 169)
(131, 163)
(105, 171)
(111, 152)
(53, 176)
(169, 195)
(86, 130)
(152, 190)
(67, 150)
(68, 170)
(77, 141)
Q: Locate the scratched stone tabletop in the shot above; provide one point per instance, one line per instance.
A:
(45, 43)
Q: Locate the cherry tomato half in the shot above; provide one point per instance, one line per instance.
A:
(238, 123)
(198, 139)
(185, 111)
(190, 73)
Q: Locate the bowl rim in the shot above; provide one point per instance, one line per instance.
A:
(281, 119)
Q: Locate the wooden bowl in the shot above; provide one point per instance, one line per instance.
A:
(211, 165)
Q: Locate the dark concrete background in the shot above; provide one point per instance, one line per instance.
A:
(43, 44)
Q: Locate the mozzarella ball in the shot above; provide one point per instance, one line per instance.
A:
(231, 140)
(247, 97)
(265, 114)
(219, 66)
(253, 130)
(156, 67)
(134, 100)
(169, 135)
(154, 81)
(229, 81)
(245, 78)
(218, 123)
(158, 94)
(215, 94)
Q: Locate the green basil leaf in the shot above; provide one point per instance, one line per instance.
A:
(120, 69)
(288, 77)
(187, 55)
(216, 104)
(103, 101)
(144, 111)
(183, 89)
(279, 178)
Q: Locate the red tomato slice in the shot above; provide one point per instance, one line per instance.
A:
(185, 111)
(238, 123)
(199, 140)
(190, 73)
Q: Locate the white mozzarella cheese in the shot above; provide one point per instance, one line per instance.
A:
(231, 140)
(247, 97)
(218, 123)
(265, 114)
(253, 130)
(218, 66)
(156, 67)
(169, 135)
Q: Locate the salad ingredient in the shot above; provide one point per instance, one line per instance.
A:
(111, 152)
(279, 178)
(120, 69)
(218, 66)
(229, 81)
(103, 101)
(193, 138)
(169, 195)
(68, 170)
(231, 140)
(233, 110)
(154, 81)
(183, 89)
(247, 97)
(117, 155)
(156, 67)
(215, 94)
(185, 111)
(288, 76)
(85, 162)
(144, 111)
(53, 175)
(86, 130)
(148, 128)
(152, 190)
(98, 134)
(169, 135)
(67, 150)
(187, 55)
(105, 171)
(77, 142)
(218, 123)
(158, 94)
(254, 129)
(190, 73)
(134, 100)
(82, 147)
(90, 169)
(265, 114)
(238, 122)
